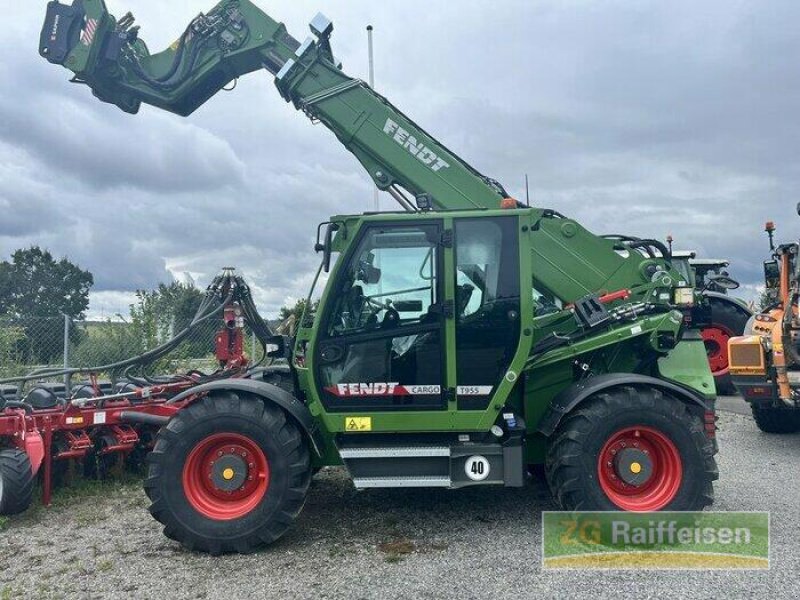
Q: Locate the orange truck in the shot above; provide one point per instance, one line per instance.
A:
(765, 362)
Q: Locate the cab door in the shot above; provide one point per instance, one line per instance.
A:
(382, 341)
(487, 271)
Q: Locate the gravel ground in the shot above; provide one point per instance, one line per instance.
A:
(475, 543)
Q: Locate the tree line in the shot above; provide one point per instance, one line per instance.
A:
(37, 290)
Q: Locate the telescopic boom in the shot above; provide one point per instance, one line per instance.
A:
(236, 38)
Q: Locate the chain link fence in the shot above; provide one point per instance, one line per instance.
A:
(58, 342)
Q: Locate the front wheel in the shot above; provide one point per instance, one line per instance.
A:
(771, 419)
(633, 449)
(228, 473)
(727, 321)
(16, 482)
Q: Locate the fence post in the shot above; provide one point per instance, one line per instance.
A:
(67, 377)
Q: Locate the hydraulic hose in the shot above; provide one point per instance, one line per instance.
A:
(18, 404)
(144, 358)
(648, 244)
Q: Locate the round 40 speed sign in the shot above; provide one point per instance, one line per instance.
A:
(477, 467)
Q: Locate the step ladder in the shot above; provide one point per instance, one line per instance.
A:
(388, 462)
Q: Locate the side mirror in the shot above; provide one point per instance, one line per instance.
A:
(325, 247)
(278, 347)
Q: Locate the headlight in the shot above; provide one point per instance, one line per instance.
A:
(684, 296)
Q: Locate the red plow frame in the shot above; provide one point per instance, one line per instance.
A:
(117, 424)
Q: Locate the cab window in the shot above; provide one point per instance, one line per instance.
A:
(389, 282)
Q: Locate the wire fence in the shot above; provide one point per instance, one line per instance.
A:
(34, 343)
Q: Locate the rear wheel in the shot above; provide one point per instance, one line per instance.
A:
(727, 321)
(776, 420)
(228, 473)
(16, 482)
(633, 449)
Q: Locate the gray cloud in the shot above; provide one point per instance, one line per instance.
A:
(644, 117)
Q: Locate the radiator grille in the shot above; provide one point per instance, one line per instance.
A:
(747, 356)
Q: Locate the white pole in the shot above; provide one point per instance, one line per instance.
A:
(67, 377)
(372, 85)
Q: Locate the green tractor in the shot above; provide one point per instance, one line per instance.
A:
(456, 343)
(719, 316)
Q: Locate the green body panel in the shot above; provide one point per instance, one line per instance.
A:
(558, 258)
(531, 382)
(681, 365)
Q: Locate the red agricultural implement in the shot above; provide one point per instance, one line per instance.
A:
(43, 428)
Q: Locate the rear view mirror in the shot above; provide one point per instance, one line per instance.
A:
(325, 247)
(772, 274)
(367, 273)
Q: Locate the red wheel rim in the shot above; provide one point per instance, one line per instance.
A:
(716, 340)
(660, 469)
(225, 476)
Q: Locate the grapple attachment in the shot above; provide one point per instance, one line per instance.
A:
(62, 31)
(75, 35)
(87, 40)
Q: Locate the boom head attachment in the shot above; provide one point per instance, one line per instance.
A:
(105, 53)
(85, 38)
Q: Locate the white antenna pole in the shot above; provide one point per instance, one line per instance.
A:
(527, 191)
(372, 85)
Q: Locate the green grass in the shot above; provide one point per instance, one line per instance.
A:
(105, 565)
(80, 496)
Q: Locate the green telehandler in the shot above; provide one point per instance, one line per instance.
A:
(457, 342)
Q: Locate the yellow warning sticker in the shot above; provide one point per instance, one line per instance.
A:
(358, 423)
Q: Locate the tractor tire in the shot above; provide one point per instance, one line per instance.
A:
(229, 473)
(16, 482)
(634, 449)
(727, 321)
(770, 419)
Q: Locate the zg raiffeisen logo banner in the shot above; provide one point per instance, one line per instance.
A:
(660, 540)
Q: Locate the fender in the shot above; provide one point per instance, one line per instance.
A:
(572, 396)
(32, 444)
(269, 392)
(738, 305)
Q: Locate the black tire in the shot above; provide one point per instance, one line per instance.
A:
(770, 419)
(572, 463)
(102, 466)
(728, 315)
(16, 482)
(136, 460)
(263, 425)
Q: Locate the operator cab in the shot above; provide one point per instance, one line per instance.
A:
(396, 298)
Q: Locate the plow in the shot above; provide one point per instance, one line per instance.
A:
(44, 428)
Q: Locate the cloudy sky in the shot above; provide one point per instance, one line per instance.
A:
(651, 118)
